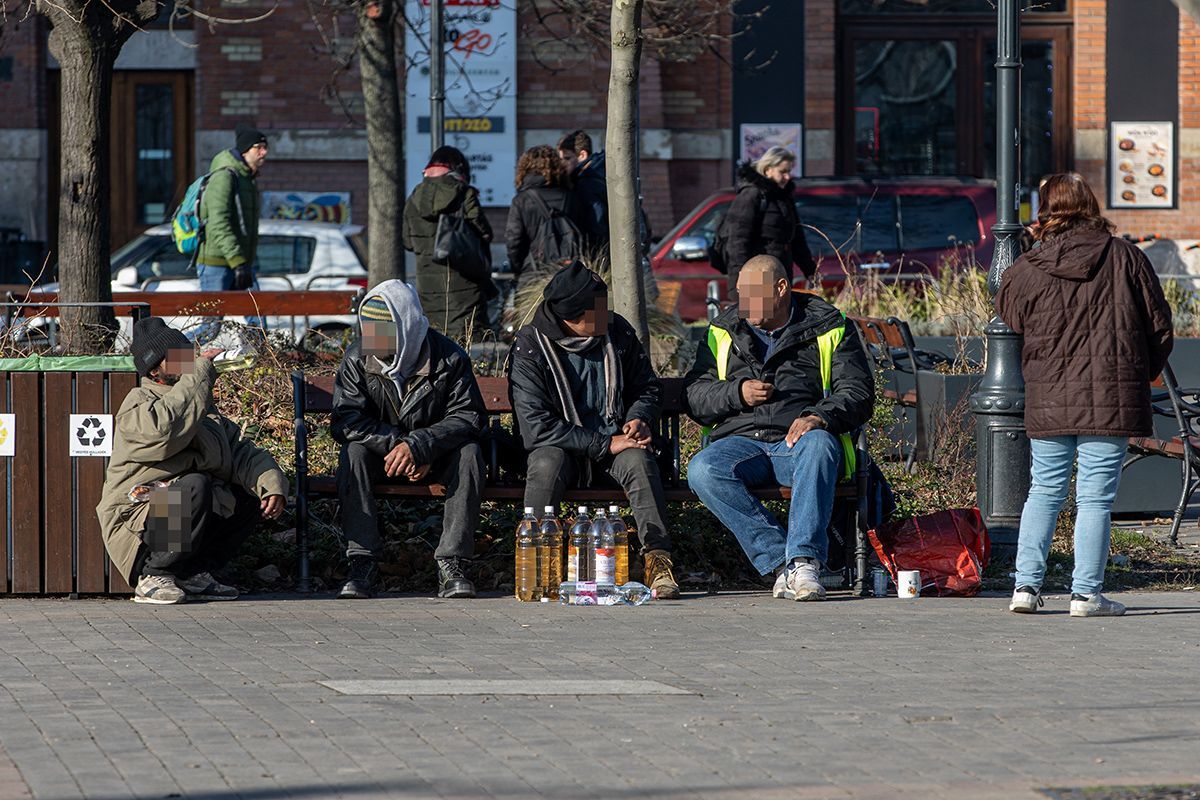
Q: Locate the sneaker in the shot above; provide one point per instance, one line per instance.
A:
(204, 586)
(1025, 600)
(780, 590)
(1095, 605)
(159, 590)
(803, 580)
(360, 584)
(452, 580)
(659, 577)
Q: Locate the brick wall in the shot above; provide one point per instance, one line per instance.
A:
(820, 86)
(23, 95)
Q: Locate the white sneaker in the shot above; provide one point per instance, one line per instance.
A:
(204, 586)
(159, 590)
(803, 581)
(1095, 605)
(780, 590)
(1025, 600)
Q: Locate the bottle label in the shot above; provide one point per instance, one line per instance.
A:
(606, 564)
(585, 593)
(573, 564)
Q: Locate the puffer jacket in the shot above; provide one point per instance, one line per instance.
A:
(441, 411)
(453, 300)
(1097, 330)
(162, 433)
(763, 219)
(526, 215)
(229, 208)
(794, 370)
(539, 418)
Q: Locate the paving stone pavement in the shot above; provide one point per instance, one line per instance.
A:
(880, 698)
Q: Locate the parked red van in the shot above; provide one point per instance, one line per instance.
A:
(899, 228)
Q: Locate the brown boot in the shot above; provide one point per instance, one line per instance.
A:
(659, 577)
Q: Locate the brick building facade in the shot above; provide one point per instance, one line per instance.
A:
(277, 73)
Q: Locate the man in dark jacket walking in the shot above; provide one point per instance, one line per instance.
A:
(590, 186)
(584, 396)
(782, 383)
(406, 407)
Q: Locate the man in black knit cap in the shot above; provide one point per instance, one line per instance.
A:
(584, 396)
(183, 487)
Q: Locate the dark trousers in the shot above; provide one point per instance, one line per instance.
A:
(552, 470)
(460, 471)
(195, 538)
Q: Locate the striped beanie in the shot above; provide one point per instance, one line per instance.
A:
(376, 309)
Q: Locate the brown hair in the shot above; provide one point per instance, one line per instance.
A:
(576, 141)
(542, 160)
(1066, 203)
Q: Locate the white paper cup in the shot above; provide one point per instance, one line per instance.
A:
(908, 584)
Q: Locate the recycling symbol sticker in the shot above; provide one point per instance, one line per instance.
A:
(8, 424)
(91, 434)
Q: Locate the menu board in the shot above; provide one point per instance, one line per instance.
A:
(1141, 165)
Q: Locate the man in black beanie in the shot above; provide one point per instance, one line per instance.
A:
(229, 209)
(584, 396)
(183, 487)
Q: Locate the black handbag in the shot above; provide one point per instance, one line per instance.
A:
(457, 245)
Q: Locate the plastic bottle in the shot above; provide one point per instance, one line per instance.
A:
(605, 551)
(578, 562)
(593, 540)
(550, 565)
(621, 541)
(233, 360)
(526, 573)
(593, 594)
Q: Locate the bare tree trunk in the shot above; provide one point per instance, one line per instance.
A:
(621, 154)
(381, 102)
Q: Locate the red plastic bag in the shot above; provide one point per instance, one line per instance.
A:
(950, 548)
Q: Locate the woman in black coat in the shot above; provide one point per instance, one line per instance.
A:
(542, 192)
(763, 218)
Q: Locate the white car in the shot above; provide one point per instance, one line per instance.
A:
(292, 256)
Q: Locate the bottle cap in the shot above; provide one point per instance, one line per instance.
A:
(549, 509)
(583, 509)
(528, 509)
(612, 509)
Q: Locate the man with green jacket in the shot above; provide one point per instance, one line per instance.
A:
(183, 487)
(229, 209)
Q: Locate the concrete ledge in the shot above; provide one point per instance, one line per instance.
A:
(450, 687)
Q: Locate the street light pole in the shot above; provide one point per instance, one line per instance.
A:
(1001, 445)
(437, 74)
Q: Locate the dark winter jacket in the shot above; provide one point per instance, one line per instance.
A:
(1097, 330)
(451, 299)
(539, 416)
(442, 408)
(793, 368)
(229, 208)
(526, 215)
(763, 219)
(590, 186)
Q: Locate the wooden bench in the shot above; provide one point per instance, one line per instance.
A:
(234, 304)
(314, 395)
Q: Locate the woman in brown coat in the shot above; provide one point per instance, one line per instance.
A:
(1097, 331)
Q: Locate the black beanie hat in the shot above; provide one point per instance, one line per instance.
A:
(573, 290)
(152, 338)
(248, 136)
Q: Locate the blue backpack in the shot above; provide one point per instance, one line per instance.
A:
(187, 229)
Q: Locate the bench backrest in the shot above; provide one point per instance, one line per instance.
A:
(248, 303)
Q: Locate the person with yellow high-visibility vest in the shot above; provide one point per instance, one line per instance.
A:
(780, 386)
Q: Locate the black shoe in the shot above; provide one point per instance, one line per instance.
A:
(360, 585)
(452, 581)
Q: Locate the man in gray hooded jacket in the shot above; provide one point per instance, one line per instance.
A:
(406, 408)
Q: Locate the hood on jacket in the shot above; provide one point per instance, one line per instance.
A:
(535, 181)
(1075, 256)
(749, 176)
(433, 196)
(231, 159)
(412, 328)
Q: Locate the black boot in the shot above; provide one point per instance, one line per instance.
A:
(452, 581)
(360, 585)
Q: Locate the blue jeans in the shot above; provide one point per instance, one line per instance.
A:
(723, 474)
(218, 279)
(1096, 485)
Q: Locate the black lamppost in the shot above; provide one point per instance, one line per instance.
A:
(437, 74)
(1002, 448)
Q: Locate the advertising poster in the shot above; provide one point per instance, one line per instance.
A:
(1141, 165)
(758, 138)
(331, 207)
(481, 92)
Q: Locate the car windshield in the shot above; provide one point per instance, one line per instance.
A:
(155, 257)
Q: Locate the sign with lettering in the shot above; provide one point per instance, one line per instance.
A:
(1141, 165)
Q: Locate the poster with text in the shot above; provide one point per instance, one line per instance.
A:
(1141, 165)
(91, 434)
(481, 92)
(333, 207)
(758, 138)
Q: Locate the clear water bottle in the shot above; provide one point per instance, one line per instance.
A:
(578, 562)
(593, 534)
(621, 542)
(604, 549)
(525, 578)
(550, 575)
(590, 593)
